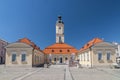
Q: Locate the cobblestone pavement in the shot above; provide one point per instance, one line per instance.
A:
(58, 72)
(14, 73)
(47, 74)
(95, 74)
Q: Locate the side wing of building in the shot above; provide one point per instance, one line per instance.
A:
(103, 54)
(18, 54)
(99, 55)
(38, 57)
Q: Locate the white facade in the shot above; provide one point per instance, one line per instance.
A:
(102, 54)
(117, 53)
(85, 59)
(117, 49)
(59, 31)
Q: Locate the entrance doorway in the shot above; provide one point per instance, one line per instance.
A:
(61, 60)
(54, 60)
(66, 58)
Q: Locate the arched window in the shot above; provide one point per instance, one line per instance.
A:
(54, 59)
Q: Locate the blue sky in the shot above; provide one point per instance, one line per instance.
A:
(83, 19)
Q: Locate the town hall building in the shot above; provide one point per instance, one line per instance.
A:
(60, 52)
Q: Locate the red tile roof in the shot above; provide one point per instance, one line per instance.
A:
(91, 43)
(60, 48)
(29, 42)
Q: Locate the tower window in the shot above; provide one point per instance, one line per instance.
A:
(59, 27)
(60, 41)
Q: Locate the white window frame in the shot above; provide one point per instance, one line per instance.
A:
(108, 52)
(23, 52)
(15, 56)
(100, 52)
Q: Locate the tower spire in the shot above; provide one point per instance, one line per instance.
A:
(60, 20)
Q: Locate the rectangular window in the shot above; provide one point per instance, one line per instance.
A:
(13, 57)
(35, 58)
(84, 56)
(99, 55)
(81, 57)
(108, 55)
(23, 56)
(40, 58)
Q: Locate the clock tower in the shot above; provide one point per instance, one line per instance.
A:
(59, 30)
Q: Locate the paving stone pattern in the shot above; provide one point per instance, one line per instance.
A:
(58, 72)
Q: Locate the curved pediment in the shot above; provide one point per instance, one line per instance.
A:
(104, 44)
(18, 45)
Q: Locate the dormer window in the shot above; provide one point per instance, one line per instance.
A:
(60, 50)
(68, 50)
(52, 50)
(87, 44)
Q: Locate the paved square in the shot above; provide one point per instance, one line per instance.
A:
(95, 74)
(58, 72)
